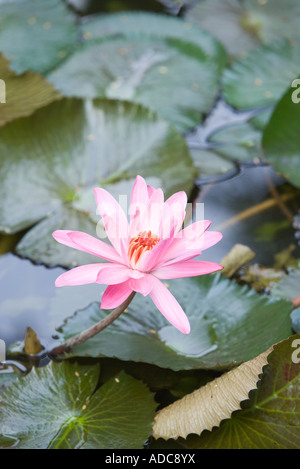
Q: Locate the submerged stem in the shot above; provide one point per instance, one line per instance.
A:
(91, 331)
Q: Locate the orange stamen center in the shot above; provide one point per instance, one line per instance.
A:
(144, 241)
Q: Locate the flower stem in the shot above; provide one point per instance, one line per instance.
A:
(91, 331)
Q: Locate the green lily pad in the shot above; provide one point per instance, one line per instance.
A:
(270, 418)
(289, 287)
(281, 139)
(51, 161)
(137, 24)
(24, 93)
(223, 332)
(167, 74)
(241, 143)
(243, 25)
(57, 407)
(261, 78)
(222, 18)
(36, 35)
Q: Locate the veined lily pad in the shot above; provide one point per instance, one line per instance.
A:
(57, 407)
(36, 35)
(51, 161)
(137, 24)
(262, 77)
(243, 25)
(270, 418)
(160, 62)
(229, 324)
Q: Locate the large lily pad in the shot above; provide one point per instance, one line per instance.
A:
(36, 34)
(270, 418)
(135, 24)
(57, 407)
(51, 161)
(281, 140)
(243, 25)
(262, 77)
(157, 62)
(24, 94)
(229, 324)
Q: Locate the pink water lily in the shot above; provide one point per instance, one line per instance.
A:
(149, 248)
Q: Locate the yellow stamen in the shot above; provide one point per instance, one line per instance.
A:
(144, 241)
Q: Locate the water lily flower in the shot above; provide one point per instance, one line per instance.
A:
(149, 248)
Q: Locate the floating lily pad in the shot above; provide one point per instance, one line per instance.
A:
(51, 161)
(262, 77)
(243, 25)
(289, 287)
(223, 332)
(281, 140)
(241, 143)
(270, 417)
(57, 407)
(161, 65)
(222, 19)
(137, 24)
(24, 93)
(36, 34)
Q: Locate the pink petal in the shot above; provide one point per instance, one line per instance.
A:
(79, 275)
(114, 220)
(88, 243)
(150, 190)
(169, 307)
(186, 269)
(115, 295)
(143, 285)
(139, 197)
(113, 274)
(189, 249)
(173, 214)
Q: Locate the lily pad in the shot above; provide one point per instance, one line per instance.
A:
(289, 287)
(261, 78)
(243, 25)
(58, 155)
(269, 419)
(222, 19)
(36, 35)
(137, 24)
(240, 143)
(166, 74)
(223, 332)
(57, 407)
(24, 93)
(281, 140)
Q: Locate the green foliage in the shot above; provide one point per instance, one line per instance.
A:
(223, 332)
(57, 407)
